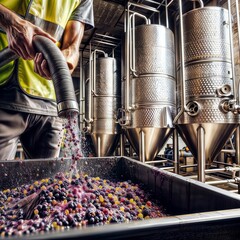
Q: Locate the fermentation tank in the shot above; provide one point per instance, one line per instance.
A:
(102, 103)
(208, 81)
(152, 89)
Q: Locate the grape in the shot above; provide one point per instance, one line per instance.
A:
(77, 201)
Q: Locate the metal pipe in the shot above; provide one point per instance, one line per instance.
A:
(189, 165)
(201, 153)
(107, 36)
(92, 80)
(200, 2)
(132, 46)
(127, 61)
(144, 7)
(167, 168)
(113, 53)
(88, 118)
(182, 81)
(170, 3)
(106, 43)
(238, 31)
(228, 150)
(232, 168)
(234, 191)
(237, 145)
(221, 181)
(157, 161)
(94, 53)
(222, 163)
(81, 100)
(127, 29)
(215, 170)
(235, 93)
(169, 160)
(231, 143)
(131, 151)
(151, 1)
(166, 12)
(90, 85)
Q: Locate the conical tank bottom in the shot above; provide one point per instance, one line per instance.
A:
(153, 140)
(216, 135)
(104, 144)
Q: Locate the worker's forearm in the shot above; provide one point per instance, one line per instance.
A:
(7, 17)
(72, 55)
(20, 33)
(71, 43)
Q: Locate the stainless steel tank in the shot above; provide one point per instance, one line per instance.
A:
(106, 99)
(208, 80)
(152, 88)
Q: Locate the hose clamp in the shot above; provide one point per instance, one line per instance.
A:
(67, 107)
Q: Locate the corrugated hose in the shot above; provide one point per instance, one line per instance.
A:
(61, 77)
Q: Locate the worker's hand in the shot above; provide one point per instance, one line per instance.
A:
(41, 66)
(20, 35)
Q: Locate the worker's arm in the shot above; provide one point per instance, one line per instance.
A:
(20, 33)
(72, 38)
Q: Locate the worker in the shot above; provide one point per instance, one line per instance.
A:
(28, 110)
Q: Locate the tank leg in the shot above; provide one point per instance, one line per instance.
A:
(122, 144)
(237, 146)
(142, 146)
(175, 151)
(201, 153)
(98, 147)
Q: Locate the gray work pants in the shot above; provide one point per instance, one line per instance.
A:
(39, 135)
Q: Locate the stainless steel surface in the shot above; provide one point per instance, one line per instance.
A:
(176, 151)
(87, 94)
(200, 2)
(207, 34)
(237, 143)
(238, 33)
(181, 92)
(216, 135)
(105, 95)
(152, 82)
(204, 212)
(155, 50)
(235, 90)
(201, 153)
(67, 107)
(208, 80)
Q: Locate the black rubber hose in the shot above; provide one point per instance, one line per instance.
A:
(6, 56)
(61, 77)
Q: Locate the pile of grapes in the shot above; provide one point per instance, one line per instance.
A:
(65, 202)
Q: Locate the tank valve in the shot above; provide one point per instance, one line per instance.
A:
(224, 91)
(193, 108)
(230, 106)
(88, 128)
(125, 118)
